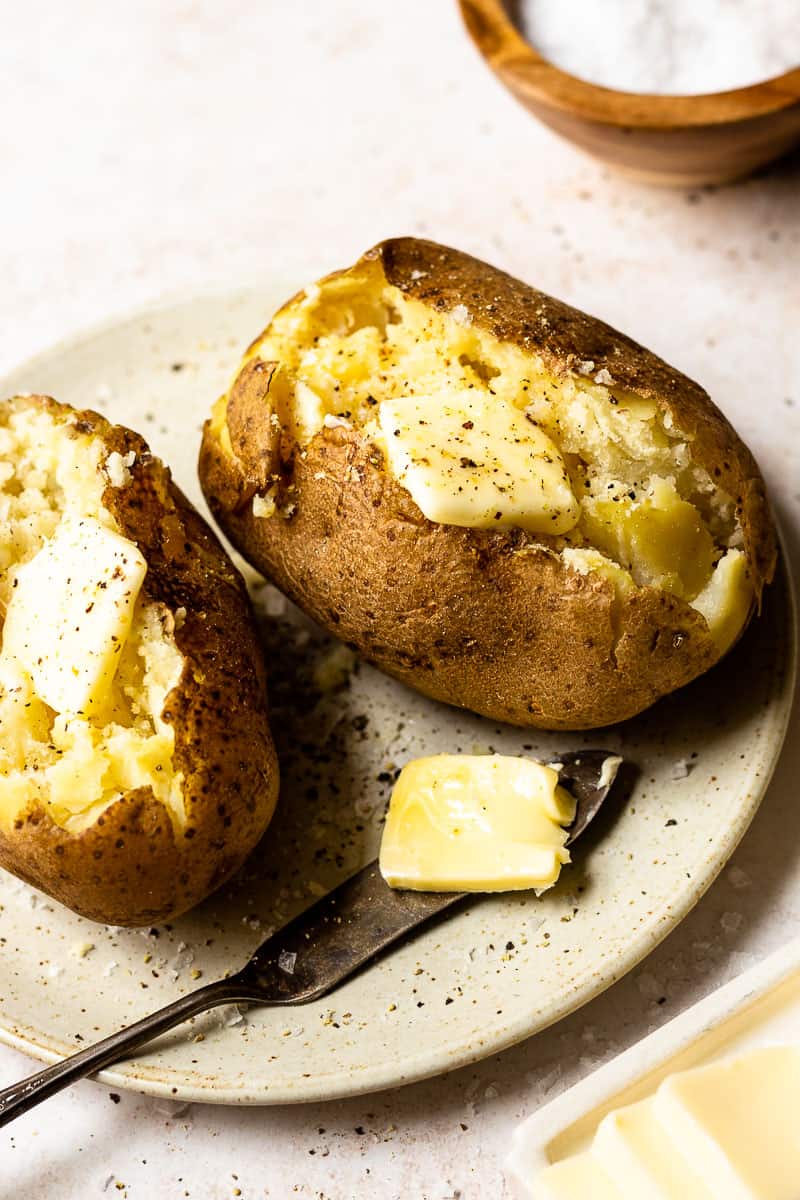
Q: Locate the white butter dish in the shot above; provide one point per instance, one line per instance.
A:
(759, 1008)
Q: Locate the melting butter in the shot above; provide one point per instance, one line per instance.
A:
(469, 460)
(475, 823)
(70, 613)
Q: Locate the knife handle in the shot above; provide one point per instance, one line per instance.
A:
(24, 1095)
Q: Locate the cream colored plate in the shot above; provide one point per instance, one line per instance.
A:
(481, 980)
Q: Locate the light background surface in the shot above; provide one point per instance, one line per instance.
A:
(162, 146)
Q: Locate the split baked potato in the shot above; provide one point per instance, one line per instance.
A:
(492, 496)
(137, 768)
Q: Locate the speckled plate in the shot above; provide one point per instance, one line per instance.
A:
(489, 976)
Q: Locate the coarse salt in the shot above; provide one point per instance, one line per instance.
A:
(672, 47)
(286, 961)
(680, 769)
(332, 421)
(117, 470)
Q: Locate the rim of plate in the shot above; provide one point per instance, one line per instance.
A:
(207, 290)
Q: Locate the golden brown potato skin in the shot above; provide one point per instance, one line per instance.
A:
(462, 614)
(130, 867)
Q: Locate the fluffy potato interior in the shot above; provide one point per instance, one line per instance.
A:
(639, 511)
(75, 764)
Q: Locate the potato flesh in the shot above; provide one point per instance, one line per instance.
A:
(660, 538)
(74, 765)
(354, 342)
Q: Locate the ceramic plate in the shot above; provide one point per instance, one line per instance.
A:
(492, 974)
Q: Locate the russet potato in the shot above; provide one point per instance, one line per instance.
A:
(137, 768)
(495, 498)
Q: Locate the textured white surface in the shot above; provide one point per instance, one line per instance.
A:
(156, 146)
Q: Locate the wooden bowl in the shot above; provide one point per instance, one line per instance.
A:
(680, 140)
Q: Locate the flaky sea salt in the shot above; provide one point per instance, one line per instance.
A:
(117, 470)
(233, 1015)
(286, 962)
(172, 1109)
(680, 769)
(675, 47)
(183, 957)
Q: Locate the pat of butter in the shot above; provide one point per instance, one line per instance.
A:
(474, 461)
(307, 412)
(475, 823)
(728, 1131)
(70, 613)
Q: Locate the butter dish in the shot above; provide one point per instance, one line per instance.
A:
(758, 1009)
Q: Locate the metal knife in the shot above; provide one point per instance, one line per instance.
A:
(316, 951)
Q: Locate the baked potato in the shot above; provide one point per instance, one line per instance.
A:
(137, 768)
(495, 498)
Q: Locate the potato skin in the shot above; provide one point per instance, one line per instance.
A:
(492, 622)
(131, 867)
